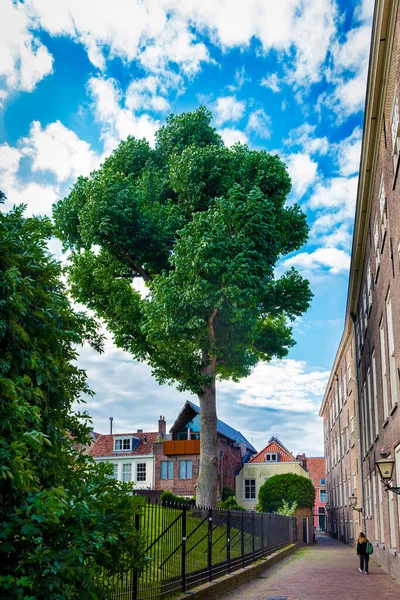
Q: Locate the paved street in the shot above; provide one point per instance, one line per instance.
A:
(326, 571)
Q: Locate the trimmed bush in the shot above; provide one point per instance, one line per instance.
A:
(286, 487)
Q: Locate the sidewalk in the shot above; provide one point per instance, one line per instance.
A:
(325, 571)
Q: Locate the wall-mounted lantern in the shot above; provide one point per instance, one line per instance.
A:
(385, 468)
(353, 503)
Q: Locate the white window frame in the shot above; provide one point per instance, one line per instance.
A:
(271, 455)
(116, 470)
(384, 370)
(126, 444)
(377, 249)
(382, 210)
(391, 351)
(394, 127)
(141, 471)
(126, 472)
(375, 392)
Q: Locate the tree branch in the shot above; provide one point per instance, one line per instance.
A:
(137, 268)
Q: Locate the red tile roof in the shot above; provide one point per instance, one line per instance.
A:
(274, 445)
(104, 444)
(316, 467)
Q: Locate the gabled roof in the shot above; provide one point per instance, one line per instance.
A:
(274, 445)
(103, 446)
(222, 428)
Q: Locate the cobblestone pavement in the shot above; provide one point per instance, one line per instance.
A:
(325, 571)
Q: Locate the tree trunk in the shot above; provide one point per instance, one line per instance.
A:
(207, 482)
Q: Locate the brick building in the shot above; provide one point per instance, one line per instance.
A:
(360, 406)
(177, 459)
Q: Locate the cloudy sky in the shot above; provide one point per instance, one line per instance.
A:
(77, 76)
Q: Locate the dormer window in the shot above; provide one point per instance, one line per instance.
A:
(122, 444)
(271, 457)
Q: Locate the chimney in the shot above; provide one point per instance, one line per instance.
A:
(162, 426)
(302, 460)
(111, 420)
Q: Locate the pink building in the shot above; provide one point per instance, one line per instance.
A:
(315, 465)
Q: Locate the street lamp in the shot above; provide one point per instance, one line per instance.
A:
(385, 468)
(353, 503)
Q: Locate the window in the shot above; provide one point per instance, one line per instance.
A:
(375, 392)
(376, 244)
(322, 495)
(394, 126)
(167, 469)
(271, 457)
(354, 482)
(397, 459)
(365, 309)
(322, 481)
(383, 211)
(370, 406)
(249, 489)
(127, 472)
(141, 472)
(122, 444)
(185, 469)
(115, 467)
(384, 370)
(392, 360)
(369, 290)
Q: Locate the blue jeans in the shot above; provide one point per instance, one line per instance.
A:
(364, 559)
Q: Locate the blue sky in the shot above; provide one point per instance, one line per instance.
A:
(77, 77)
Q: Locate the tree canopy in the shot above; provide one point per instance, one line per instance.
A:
(203, 225)
(62, 517)
(286, 488)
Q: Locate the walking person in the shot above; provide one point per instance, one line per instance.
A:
(364, 549)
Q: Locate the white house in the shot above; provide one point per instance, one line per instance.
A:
(131, 455)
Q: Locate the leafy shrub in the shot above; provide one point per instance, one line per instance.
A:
(227, 492)
(286, 509)
(63, 517)
(230, 504)
(168, 496)
(287, 487)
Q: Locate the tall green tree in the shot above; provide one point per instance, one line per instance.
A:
(62, 518)
(203, 225)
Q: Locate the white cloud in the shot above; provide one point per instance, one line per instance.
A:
(334, 203)
(286, 385)
(350, 70)
(38, 198)
(228, 109)
(160, 34)
(147, 94)
(271, 82)
(305, 138)
(260, 124)
(240, 79)
(232, 136)
(349, 152)
(333, 259)
(118, 122)
(59, 150)
(23, 59)
(302, 170)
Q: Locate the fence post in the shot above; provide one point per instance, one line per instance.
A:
(228, 540)
(183, 568)
(135, 574)
(254, 535)
(262, 532)
(210, 525)
(242, 542)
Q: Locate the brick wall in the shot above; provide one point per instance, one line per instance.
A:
(229, 465)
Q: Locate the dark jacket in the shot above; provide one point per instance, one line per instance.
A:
(361, 548)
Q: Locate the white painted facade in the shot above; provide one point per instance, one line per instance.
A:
(139, 469)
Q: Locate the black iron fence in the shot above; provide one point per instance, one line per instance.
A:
(187, 546)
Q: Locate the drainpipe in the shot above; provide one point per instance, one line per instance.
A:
(341, 456)
(364, 520)
(331, 477)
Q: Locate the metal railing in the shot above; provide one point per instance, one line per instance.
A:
(187, 546)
